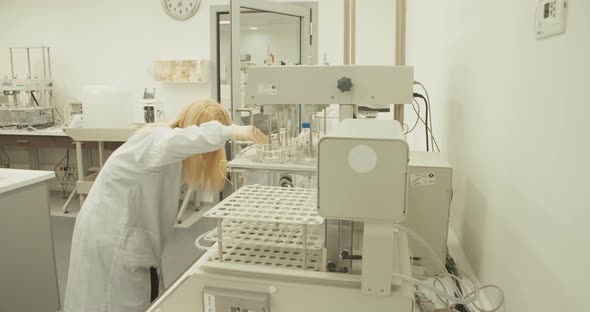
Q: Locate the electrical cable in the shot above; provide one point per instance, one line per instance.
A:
(430, 108)
(59, 163)
(34, 98)
(417, 118)
(421, 119)
(64, 177)
(452, 269)
(67, 174)
(426, 128)
(198, 242)
(465, 299)
(440, 298)
(498, 306)
(500, 295)
(455, 272)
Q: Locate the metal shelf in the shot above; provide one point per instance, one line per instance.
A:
(183, 81)
(271, 234)
(247, 164)
(271, 257)
(260, 203)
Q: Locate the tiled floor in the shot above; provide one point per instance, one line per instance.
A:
(179, 254)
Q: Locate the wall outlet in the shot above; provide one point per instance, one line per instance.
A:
(550, 18)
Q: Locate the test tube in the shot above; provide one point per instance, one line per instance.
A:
(270, 131)
(310, 136)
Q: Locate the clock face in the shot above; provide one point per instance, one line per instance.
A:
(181, 9)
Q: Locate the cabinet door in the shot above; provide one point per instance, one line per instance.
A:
(28, 276)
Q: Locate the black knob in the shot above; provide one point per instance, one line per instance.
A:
(345, 84)
(331, 266)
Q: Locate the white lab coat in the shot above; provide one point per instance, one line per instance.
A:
(124, 224)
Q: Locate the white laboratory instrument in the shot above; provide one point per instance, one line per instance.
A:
(430, 192)
(270, 250)
(26, 101)
(370, 85)
(152, 109)
(550, 18)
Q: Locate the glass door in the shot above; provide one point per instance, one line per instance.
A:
(268, 34)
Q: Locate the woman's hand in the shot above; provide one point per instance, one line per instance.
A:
(248, 133)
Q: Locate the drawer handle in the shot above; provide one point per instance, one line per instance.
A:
(22, 141)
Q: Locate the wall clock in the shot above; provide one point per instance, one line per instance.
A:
(181, 9)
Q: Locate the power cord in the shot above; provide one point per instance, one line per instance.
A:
(460, 297)
(430, 109)
(417, 118)
(426, 128)
(67, 175)
(457, 299)
(453, 269)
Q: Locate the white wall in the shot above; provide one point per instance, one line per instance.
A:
(106, 42)
(375, 45)
(517, 141)
(114, 42)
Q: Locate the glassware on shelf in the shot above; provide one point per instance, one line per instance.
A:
(306, 144)
(269, 153)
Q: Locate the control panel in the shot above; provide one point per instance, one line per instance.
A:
(551, 18)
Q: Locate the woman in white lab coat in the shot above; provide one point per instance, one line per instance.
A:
(122, 228)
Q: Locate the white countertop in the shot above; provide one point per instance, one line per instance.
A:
(11, 179)
(53, 131)
(100, 134)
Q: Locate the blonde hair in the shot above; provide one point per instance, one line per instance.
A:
(204, 170)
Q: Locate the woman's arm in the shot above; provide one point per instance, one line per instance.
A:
(168, 145)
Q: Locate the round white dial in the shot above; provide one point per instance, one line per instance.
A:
(181, 9)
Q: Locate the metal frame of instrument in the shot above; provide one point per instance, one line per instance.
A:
(39, 110)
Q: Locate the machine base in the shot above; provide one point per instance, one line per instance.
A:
(220, 287)
(26, 117)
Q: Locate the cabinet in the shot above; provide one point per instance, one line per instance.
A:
(28, 275)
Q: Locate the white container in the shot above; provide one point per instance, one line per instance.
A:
(107, 107)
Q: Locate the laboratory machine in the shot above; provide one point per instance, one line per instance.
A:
(291, 157)
(26, 98)
(269, 252)
(274, 247)
(151, 108)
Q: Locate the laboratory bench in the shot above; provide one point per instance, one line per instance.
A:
(33, 140)
(85, 141)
